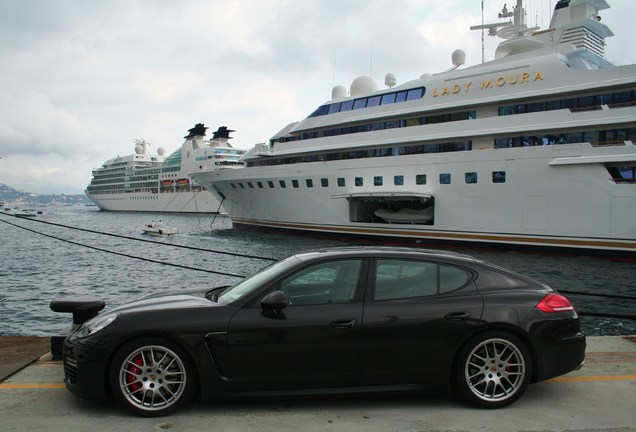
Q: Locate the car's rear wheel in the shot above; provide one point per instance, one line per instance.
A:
(492, 370)
(152, 376)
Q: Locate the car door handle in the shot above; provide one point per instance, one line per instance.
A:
(457, 316)
(343, 324)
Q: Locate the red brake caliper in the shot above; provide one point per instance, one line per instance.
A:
(133, 371)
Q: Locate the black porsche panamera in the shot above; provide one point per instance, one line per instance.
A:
(353, 319)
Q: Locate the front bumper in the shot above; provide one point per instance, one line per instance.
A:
(86, 369)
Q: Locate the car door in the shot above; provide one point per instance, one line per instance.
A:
(310, 343)
(415, 316)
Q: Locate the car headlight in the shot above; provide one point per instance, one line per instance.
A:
(96, 324)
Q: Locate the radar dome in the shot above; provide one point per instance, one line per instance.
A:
(161, 151)
(139, 149)
(363, 84)
(338, 92)
(390, 80)
(458, 57)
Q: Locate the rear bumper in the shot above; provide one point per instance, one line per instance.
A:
(560, 357)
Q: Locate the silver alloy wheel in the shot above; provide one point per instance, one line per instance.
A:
(495, 370)
(152, 378)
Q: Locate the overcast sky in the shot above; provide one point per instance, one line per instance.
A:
(81, 79)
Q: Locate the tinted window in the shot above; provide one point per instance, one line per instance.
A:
(451, 278)
(330, 282)
(396, 279)
(373, 101)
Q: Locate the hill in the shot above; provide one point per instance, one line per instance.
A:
(16, 197)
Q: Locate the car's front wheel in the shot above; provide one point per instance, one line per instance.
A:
(492, 370)
(152, 376)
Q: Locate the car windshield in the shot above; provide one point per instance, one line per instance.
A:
(245, 286)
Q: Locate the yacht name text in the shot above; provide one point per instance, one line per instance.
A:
(500, 81)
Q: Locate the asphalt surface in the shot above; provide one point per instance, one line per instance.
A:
(599, 397)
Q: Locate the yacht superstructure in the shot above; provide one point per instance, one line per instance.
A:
(533, 149)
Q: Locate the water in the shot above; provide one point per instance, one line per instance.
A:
(35, 269)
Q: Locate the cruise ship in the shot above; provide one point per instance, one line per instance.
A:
(534, 149)
(145, 182)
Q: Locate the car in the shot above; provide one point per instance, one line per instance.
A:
(338, 320)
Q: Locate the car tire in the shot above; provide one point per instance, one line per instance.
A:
(492, 370)
(152, 376)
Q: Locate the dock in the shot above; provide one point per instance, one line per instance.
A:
(601, 396)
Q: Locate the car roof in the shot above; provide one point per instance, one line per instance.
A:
(372, 250)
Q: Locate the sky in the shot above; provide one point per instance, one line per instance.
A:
(81, 79)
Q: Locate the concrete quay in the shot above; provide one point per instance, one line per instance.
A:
(601, 396)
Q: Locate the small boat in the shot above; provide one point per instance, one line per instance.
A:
(406, 215)
(159, 229)
(25, 213)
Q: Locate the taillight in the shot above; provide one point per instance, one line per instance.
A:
(555, 303)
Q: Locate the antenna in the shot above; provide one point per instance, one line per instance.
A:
(483, 58)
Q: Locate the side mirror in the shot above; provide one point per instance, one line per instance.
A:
(274, 301)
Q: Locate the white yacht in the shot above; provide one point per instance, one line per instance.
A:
(534, 149)
(144, 182)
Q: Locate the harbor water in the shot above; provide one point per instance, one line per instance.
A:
(40, 262)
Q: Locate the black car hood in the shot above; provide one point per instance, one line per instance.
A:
(168, 300)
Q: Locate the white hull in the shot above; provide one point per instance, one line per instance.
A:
(167, 202)
(569, 203)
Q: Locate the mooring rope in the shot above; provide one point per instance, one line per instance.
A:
(133, 256)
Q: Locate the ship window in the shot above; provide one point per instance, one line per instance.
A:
(445, 178)
(373, 101)
(324, 182)
(498, 176)
(334, 108)
(470, 177)
(388, 99)
(233, 185)
(295, 183)
(251, 185)
(415, 94)
(377, 181)
(359, 181)
(622, 173)
(398, 180)
(310, 183)
(260, 184)
(270, 184)
(346, 106)
(282, 184)
(400, 97)
(420, 179)
(341, 182)
(359, 103)
(241, 185)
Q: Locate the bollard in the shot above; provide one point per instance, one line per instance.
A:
(83, 308)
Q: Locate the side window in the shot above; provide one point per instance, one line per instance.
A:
(396, 279)
(328, 282)
(399, 279)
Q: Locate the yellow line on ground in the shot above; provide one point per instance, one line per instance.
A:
(591, 378)
(582, 378)
(31, 386)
